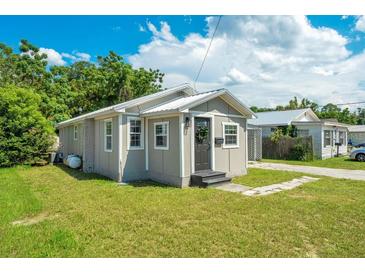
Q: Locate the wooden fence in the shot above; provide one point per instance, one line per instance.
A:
(284, 147)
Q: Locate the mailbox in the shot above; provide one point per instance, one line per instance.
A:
(218, 140)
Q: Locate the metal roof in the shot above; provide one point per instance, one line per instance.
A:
(184, 103)
(359, 128)
(277, 117)
(119, 107)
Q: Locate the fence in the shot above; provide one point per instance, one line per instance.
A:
(283, 149)
(254, 144)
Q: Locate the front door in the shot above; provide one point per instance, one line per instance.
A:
(202, 143)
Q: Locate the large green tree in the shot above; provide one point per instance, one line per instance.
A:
(25, 134)
(67, 91)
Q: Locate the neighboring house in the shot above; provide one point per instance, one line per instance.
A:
(166, 136)
(325, 133)
(357, 134)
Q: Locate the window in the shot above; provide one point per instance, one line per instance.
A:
(342, 137)
(302, 132)
(108, 133)
(76, 133)
(230, 133)
(327, 138)
(135, 133)
(161, 135)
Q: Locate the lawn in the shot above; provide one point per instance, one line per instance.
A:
(257, 177)
(90, 216)
(340, 162)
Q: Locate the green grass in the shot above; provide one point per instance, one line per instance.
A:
(94, 217)
(340, 162)
(260, 177)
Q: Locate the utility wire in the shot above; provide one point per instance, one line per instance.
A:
(206, 54)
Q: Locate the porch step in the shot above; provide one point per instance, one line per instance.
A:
(208, 178)
(216, 181)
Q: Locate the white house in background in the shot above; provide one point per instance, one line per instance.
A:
(175, 136)
(357, 134)
(325, 133)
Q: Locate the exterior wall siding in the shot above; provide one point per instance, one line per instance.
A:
(133, 161)
(106, 163)
(164, 165)
(230, 160)
(67, 143)
(357, 137)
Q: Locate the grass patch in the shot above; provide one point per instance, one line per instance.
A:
(257, 177)
(340, 162)
(98, 218)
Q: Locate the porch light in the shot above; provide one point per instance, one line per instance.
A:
(187, 122)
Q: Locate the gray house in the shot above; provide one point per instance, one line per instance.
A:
(167, 136)
(325, 133)
(357, 134)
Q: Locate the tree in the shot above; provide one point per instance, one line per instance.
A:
(25, 135)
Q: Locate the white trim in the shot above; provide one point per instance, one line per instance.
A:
(192, 144)
(105, 135)
(120, 145)
(141, 147)
(77, 132)
(167, 135)
(237, 134)
(246, 144)
(181, 151)
(212, 145)
(216, 114)
(146, 145)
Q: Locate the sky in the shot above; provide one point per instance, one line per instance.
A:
(263, 60)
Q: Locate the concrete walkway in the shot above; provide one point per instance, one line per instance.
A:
(266, 190)
(322, 171)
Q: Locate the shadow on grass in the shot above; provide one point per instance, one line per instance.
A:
(82, 176)
(79, 174)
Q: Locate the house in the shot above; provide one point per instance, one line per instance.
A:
(325, 133)
(167, 136)
(357, 134)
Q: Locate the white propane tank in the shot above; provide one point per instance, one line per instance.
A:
(74, 161)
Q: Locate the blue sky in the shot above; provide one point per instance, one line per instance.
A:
(264, 60)
(97, 35)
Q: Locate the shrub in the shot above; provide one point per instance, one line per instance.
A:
(25, 135)
(301, 151)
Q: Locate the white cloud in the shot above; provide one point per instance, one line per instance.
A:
(77, 56)
(265, 60)
(141, 28)
(53, 57)
(164, 33)
(360, 23)
(235, 77)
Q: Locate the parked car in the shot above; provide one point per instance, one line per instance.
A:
(360, 145)
(358, 155)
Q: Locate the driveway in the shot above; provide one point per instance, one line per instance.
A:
(322, 171)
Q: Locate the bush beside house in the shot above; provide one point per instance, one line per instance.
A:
(285, 147)
(25, 135)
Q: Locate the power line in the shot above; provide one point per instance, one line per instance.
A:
(353, 103)
(206, 54)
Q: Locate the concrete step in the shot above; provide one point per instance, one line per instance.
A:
(216, 182)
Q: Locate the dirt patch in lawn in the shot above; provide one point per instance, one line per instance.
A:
(35, 219)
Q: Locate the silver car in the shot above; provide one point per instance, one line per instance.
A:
(358, 154)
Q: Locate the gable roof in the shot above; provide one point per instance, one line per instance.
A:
(120, 107)
(183, 104)
(280, 118)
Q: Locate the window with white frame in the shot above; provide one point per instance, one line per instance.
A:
(342, 137)
(326, 138)
(230, 133)
(135, 133)
(76, 133)
(161, 135)
(108, 135)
